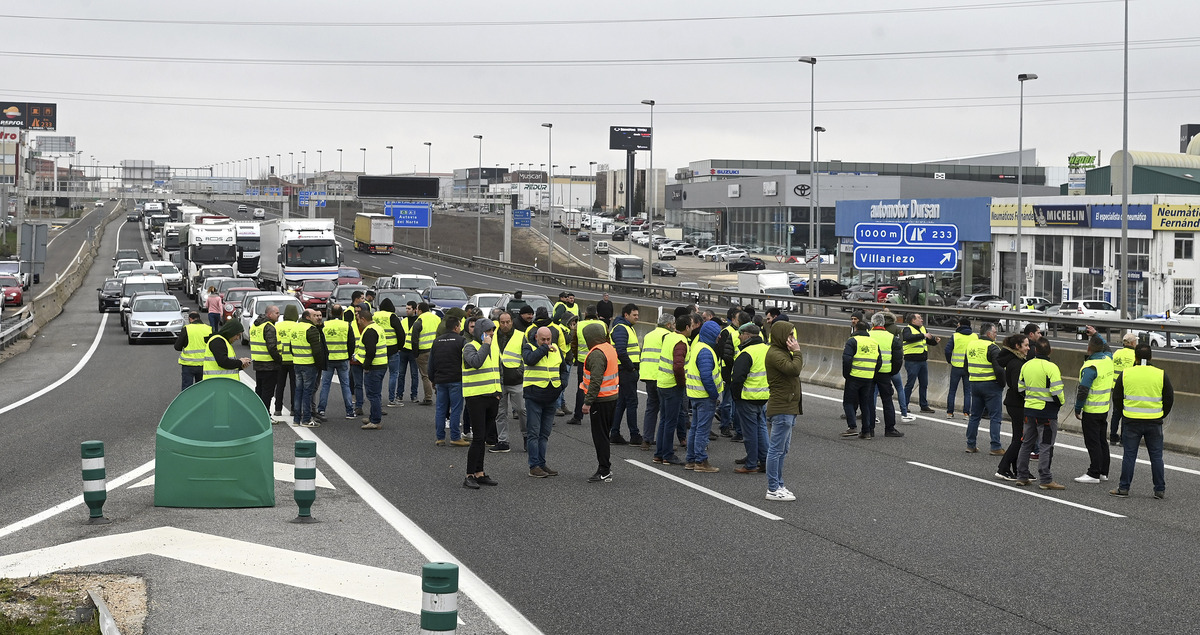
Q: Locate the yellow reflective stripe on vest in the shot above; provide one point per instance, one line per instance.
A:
(302, 353)
(511, 357)
(484, 380)
(866, 354)
(360, 351)
(885, 340)
(337, 340)
(631, 343)
(1041, 381)
(756, 387)
(916, 348)
(694, 382)
(958, 354)
(384, 320)
(258, 342)
(429, 327)
(213, 370)
(651, 351)
(545, 373)
(1100, 393)
(666, 359)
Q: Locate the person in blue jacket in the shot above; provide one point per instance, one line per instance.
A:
(703, 408)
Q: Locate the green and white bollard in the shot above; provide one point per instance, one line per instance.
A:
(305, 491)
(439, 598)
(94, 489)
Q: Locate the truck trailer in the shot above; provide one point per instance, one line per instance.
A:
(626, 268)
(767, 282)
(373, 233)
(297, 249)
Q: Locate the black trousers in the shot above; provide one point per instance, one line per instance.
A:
(627, 402)
(601, 414)
(1094, 426)
(1008, 462)
(578, 414)
(286, 374)
(264, 385)
(482, 408)
(883, 385)
(857, 397)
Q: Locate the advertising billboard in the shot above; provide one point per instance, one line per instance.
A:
(629, 138)
(27, 116)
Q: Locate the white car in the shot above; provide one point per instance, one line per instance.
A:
(169, 272)
(259, 213)
(154, 315)
(1158, 339)
(484, 301)
(666, 253)
(683, 248)
(1098, 309)
(711, 253)
(733, 254)
(256, 305)
(242, 209)
(642, 240)
(126, 264)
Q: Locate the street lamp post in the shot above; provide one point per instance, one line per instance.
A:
(428, 158)
(479, 207)
(304, 162)
(550, 222)
(292, 162)
(391, 160)
(1019, 285)
(591, 185)
(341, 190)
(815, 195)
(814, 228)
(650, 196)
(364, 151)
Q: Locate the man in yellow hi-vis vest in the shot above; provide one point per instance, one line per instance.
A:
(986, 383)
(860, 361)
(956, 356)
(1092, 401)
(190, 344)
(1145, 397)
(1122, 359)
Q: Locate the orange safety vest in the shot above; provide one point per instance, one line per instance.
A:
(608, 386)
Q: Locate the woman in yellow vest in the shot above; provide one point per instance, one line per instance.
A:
(1092, 401)
(481, 391)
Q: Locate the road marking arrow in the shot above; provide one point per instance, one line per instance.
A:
(390, 589)
(946, 257)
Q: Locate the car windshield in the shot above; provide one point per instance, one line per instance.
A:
(219, 272)
(349, 272)
(310, 255)
(169, 269)
(399, 298)
(236, 295)
(248, 244)
(156, 305)
(343, 292)
(135, 287)
(9, 281)
(128, 266)
(447, 293)
(111, 286)
(127, 253)
(319, 285)
(405, 282)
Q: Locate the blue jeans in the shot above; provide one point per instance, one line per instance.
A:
(356, 385)
(781, 440)
(901, 394)
(670, 402)
(408, 366)
(697, 436)
(539, 423)
(448, 403)
(627, 403)
(306, 382)
(373, 384)
(918, 373)
(1132, 433)
(191, 375)
(394, 365)
(342, 368)
(986, 397)
(752, 415)
(958, 375)
(650, 420)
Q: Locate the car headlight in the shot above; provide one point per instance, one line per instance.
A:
(137, 323)
(176, 323)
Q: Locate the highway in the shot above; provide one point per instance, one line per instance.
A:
(888, 535)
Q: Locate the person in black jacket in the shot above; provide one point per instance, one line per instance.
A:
(445, 371)
(726, 345)
(1012, 356)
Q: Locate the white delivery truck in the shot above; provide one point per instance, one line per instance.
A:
(297, 249)
(769, 282)
(248, 240)
(626, 268)
(373, 233)
(206, 245)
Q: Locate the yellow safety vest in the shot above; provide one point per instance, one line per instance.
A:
(545, 373)
(360, 351)
(958, 355)
(666, 359)
(978, 366)
(405, 332)
(484, 380)
(733, 339)
(211, 369)
(631, 347)
(429, 327)
(573, 310)
(193, 352)
(885, 340)
(337, 340)
(302, 353)
(511, 357)
(916, 348)
(258, 342)
(1122, 359)
(651, 350)
(695, 383)
(866, 356)
(1143, 388)
(756, 387)
(1100, 394)
(384, 320)
(1041, 381)
(580, 343)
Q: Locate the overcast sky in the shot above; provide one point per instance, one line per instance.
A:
(191, 84)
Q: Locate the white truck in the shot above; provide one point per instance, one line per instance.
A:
(566, 218)
(769, 282)
(214, 244)
(626, 268)
(297, 249)
(170, 241)
(373, 233)
(248, 241)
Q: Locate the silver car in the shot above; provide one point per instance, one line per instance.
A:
(154, 315)
(257, 305)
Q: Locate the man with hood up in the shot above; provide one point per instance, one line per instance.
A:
(600, 390)
(784, 363)
(481, 390)
(704, 386)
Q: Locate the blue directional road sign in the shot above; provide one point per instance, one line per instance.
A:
(522, 218)
(929, 235)
(907, 258)
(522, 213)
(878, 234)
(410, 215)
(304, 199)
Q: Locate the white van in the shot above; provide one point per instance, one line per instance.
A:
(600, 247)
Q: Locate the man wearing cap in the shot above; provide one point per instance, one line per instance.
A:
(219, 361)
(369, 300)
(190, 344)
(629, 355)
(956, 356)
(751, 393)
(264, 351)
(565, 304)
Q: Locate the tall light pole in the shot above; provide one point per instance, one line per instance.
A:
(479, 191)
(571, 186)
(550, 218)
(1020, 287)
(428, 158)
(364, 151)
(814, 288)
(650, 196)
(591, 185)
(304, 162)
(319, 162)
(279, 164)
(1127, 180)
(813, 227)
(391, 160)
(292, 162)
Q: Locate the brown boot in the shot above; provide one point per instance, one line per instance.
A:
(704, 466)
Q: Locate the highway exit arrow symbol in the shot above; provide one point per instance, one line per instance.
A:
(946, 258)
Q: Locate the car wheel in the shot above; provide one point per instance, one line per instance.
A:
(132, 340)
(101, 308)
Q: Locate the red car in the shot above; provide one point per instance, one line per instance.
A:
(314, 294)
(349, 275)
(233, 300)
(881, 294)
(10, 287)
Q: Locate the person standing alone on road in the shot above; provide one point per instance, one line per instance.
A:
(600, 377)
(1092, 400)
(1146, 399)
(190, 344)
(1041, 381)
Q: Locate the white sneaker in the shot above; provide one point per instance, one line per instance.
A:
(909, 417)
(781, 494)
(1103, 477)
(1086, 479)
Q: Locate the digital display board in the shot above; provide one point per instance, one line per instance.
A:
(629, 138)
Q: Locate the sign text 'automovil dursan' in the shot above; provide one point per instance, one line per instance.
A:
(911, 210)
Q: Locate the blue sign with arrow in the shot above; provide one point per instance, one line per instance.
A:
(906, 246)
(907, 258)
(410, 215)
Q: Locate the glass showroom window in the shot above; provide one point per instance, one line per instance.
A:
(1139, 254)
(1048, 250)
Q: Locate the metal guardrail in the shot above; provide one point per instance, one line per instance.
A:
(10, 334)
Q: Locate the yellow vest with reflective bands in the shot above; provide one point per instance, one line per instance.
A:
(573, 310)
(429, 327)
(403, 335)
(666, 359)
(885, 340)
(283, 333)
(695, 383)
(360, 351)
(1041, 381)
(384, 320)
(756, 387)
(545, 373)
(916, 348)
(193, 352)
(651, 350)
(211, 369)
(1143, 388)
(1123, 358)
(511, 357)
(258, 342)
(631, 347)
(302, 353)
(734, 339)
(580, 343)
(866, 355)
(484, 380)
(1100, 394)
(979, 368)
(958, 355)
(337, 339)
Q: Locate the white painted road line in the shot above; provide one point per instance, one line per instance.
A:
(704, 490)
(65, 378)
(78, 500)
(956, 424)
(1009, 488)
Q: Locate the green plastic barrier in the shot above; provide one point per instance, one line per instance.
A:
(215, 448)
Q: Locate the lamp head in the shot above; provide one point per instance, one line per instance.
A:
(818, 129)
(1024, 77)
(812, 61)
(547, 125)
(648, 102)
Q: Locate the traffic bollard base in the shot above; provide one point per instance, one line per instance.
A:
(98, 521)
(303, 520)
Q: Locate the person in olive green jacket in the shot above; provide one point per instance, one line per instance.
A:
(784, 363)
